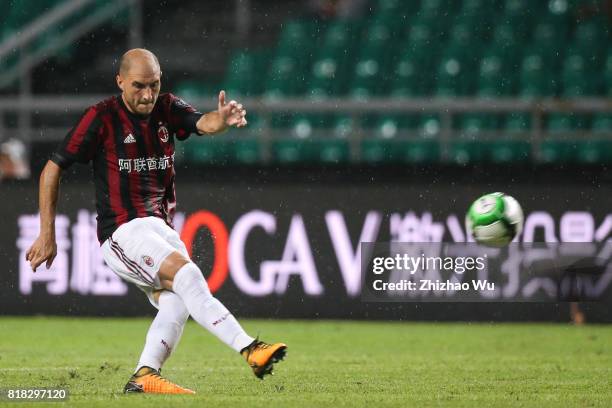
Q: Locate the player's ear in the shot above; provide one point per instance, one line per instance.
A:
(119, 82)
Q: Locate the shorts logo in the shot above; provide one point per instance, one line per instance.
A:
(163, 134)
(148, 260)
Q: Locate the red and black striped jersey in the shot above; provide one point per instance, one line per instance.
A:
(132, 158)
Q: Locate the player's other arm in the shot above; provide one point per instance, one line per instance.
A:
(44, 248)
(227, 115)
(79, 145)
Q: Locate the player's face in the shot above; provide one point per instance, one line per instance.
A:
(140, 89)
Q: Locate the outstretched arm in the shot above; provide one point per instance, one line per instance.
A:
(226, 115)
(44, 248)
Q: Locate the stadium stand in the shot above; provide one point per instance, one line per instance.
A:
(487, 50)
(432, 48)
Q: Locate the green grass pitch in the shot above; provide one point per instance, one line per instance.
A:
(329, 364)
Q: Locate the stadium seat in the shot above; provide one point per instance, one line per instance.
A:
(551, 33)
(429, 125)
(297, 39)
(602, 123)
(464, 151)
(206, 150)
(478, 122)
(369, 73)
(285, 77)
(304, 151)
(455, 75)
(594, 151)
(564, 122)
(557, 151)
(243, 76)
(508, 151)
(407, 151)
(506, 39)
(517, 123)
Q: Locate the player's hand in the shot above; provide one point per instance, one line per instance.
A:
(44, 249)
(232, 113)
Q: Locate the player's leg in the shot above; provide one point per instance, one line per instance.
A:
(165, 331)
(167, 327)
(186, 280)
(214, 315)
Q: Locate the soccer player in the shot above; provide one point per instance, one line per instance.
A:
(130, 141)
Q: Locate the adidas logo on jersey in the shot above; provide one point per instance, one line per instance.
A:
(129, 139)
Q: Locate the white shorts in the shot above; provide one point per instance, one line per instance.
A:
(136, 250)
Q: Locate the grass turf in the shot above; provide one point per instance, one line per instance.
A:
(329, 363)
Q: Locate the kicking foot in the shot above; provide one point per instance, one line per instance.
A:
(261, 356)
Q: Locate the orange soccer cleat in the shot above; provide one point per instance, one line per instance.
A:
(262, 356)
(148, 380)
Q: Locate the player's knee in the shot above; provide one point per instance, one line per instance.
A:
(171, 265)
(190, 279)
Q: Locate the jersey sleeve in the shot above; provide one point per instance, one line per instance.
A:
(183, 117)
(81, 142)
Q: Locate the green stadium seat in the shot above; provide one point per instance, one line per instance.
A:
(389, 126)
(244, 151)
(429, 125)
(292, 151)
(536, 79)
(521, 13)
(551, 33)
(508, 151)
(285, 77)
(556, 151)
(558, 8)
(303, 125)
(303, 151)
(594, 151)
(243, 75)
(343, 127)
(297, 39)
(607, 74)
(333, 150)
(190, 90)
(327, 77)
(477, 8)
(478, 122)
(564, 122)
(602, 123)
(471, 150)
(494, 79)
(410, 78)
(465, 151)
(206, 150)
(369, 74)
(390, 9)
(506, 39)
(517, 123)
(593, 31)
(408, 151)
(455, 76)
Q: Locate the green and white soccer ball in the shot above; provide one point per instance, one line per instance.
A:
(494, 219)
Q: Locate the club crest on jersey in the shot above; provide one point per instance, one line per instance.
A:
(148, 260)
(163, 133)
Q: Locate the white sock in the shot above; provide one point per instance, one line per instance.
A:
(190, 285)
(165, 331)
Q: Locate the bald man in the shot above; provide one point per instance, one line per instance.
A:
(129, 140)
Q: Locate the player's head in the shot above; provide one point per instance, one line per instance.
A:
(139, 79)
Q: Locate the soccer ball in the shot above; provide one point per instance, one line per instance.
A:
(494, 219)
